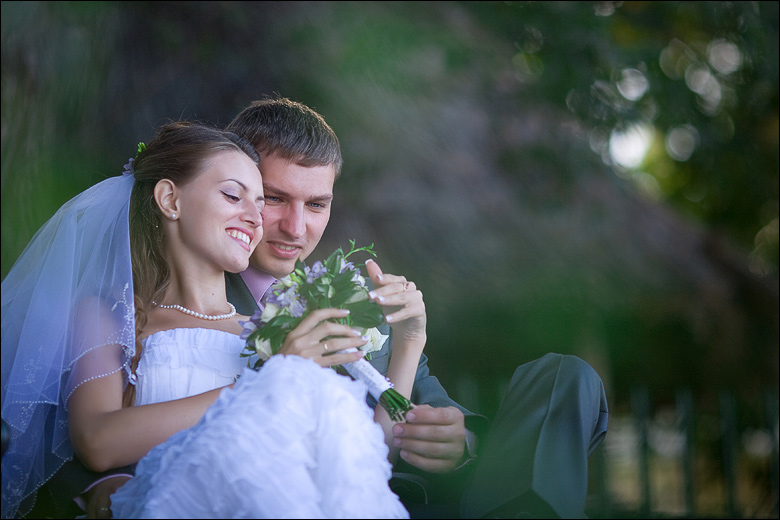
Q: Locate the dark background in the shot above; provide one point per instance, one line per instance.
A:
(483, 157)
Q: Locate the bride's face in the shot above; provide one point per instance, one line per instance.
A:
(220, 223)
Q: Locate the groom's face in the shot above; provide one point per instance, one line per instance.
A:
(297, 210)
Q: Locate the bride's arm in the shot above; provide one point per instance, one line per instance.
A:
(104, 435)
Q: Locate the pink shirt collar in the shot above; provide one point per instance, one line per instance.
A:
(258, 282)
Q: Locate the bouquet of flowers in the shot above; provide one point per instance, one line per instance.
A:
(334, 283)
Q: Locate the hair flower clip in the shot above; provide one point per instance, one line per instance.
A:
(129, 169)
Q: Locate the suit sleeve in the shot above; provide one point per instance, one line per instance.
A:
(427, 388)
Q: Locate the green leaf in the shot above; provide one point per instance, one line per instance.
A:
(310, 291)
(365, 314)
(343, 280)
(334, 261)
(368, 249)
(343, 298)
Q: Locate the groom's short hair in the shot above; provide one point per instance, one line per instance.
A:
(290, 130)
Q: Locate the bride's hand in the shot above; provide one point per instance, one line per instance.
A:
(401, 301)
(308, 339)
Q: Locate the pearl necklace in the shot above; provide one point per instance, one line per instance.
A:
(211, 317)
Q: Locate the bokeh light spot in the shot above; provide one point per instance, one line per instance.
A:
(701, 81)
(681, 142)
(724, 56)
(629, 147)
(633, 84)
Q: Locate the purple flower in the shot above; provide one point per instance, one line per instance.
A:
(251, 325)
(290, 300)
(256, 317)
(346, 265)
(315, 271)
(249, 328)
(129, 170)
(358, 278)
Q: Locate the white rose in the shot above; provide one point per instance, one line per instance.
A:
(375, 340)
(263, 348)
(269, 312)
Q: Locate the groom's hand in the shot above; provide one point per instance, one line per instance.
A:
(402, 303)
(432, 439)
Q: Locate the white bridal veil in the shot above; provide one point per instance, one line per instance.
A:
(67, 318)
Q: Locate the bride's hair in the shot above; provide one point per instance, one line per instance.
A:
(176, 153)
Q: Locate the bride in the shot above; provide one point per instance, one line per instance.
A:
(119, 345)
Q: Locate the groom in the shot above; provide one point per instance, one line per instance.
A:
(532, 458)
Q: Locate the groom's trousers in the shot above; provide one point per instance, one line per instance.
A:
(533, 460)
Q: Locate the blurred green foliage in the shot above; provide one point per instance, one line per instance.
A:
(480, 143)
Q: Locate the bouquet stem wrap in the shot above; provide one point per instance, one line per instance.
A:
(380, 388)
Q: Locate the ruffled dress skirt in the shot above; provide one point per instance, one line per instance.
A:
(292, 440)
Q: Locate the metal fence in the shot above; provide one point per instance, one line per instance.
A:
(680, 462)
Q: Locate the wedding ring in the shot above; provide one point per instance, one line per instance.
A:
(325, 347)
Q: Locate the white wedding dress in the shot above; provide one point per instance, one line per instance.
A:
(293, 440)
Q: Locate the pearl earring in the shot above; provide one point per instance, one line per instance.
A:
(173, 216)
